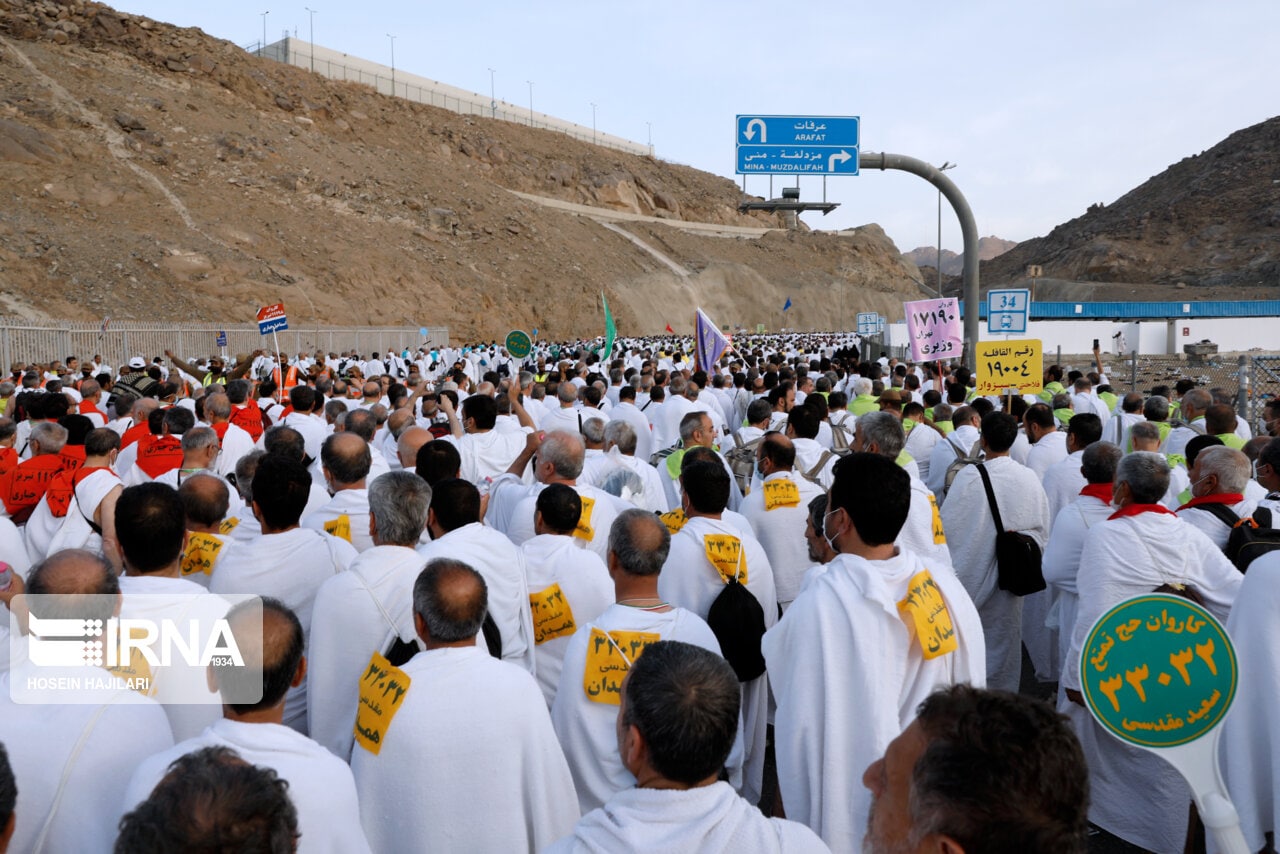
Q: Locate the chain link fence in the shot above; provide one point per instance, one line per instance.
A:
(36, 342)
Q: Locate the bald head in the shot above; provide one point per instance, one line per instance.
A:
(346, 459)
(72, 574)
(399, 421)
(450, 600)
(205, 501)
(407, 446)
(638, 543)
(778, 450)
(268, 637)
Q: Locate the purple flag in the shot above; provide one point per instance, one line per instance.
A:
(711, 343)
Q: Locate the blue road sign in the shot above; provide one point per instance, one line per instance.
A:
(820, 145)
(275, 324)
(869, 323)
(1007, 311)
(222, 339)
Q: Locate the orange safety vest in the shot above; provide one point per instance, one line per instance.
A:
(290, 377)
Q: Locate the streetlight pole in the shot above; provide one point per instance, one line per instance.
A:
(530, 82)
(938, 258)
(393, 64)
(649, 125)
(493, 97)
(263, 52)
(593, 123)
(312, 13)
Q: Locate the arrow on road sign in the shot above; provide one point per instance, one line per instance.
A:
(750, 133)
(839, 157)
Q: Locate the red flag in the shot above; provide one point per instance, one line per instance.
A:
(669, 329)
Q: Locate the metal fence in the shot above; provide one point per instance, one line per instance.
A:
(34, 342)
(293, 52)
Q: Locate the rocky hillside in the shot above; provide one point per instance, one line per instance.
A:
(152, 172)
(1211, 220)
(953, 262)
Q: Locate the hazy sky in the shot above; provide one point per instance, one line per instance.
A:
(1047, 107)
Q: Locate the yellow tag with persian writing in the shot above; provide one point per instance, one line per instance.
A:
(552, 616)
(202, 550)
(584, 531)
(382, 690)
(674, 520)
(609, 657)
(339, 527)
(926, 615)
(137, 673)
(939, 535)
(780, 493)
(227, 526)
(725, 553)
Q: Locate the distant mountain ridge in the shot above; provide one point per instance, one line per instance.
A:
(953, 262)
(1209, 220)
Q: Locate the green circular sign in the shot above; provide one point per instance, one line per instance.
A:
(518, 343)
(1158, 671)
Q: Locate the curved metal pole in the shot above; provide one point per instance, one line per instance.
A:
(968, 228)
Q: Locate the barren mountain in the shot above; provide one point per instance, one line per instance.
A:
(153, 172)
(953, 262)
(1211, 221)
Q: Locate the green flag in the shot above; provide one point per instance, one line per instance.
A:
(610, 329)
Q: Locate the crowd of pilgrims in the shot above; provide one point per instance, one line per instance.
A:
(464, 557)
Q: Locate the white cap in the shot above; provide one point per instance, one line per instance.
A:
(137, 362)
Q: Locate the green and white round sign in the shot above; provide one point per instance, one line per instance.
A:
(1158, 671)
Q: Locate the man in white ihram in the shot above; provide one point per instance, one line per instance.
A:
(967, 518)
(367, 609)
(461, 755)
(1135, 794)
(675, 726)
(877, 631)
(320, 784)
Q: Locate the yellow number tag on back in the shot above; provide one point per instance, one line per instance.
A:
(926, 615)
(382, 690)
(552, 616)
(202, 551)
(584, 531)
(939, 535)
(781, 493)
(725, 553)
(228, 525)
(674, 520)
(609, 657)
(339, 527)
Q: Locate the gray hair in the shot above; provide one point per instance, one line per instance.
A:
(1231, 466)
(565, 452)
(246, 468)
(862, 386)
(1145, 430)
(593, 430)
(398, 501)
(566, 392)
(640, 542)
(1062, 400)
(52, 437)
(942, 412)
(1156, 408)
(198, 438)
(217, 406)
(1197, 399)
(622, 435)
(1098, 464)
(883, 430)
(1147, 474)
(691, 422)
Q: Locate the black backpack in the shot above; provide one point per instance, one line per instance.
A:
(1250, 537)
(737, 620)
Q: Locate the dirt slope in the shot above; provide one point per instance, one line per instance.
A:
(152, 172)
